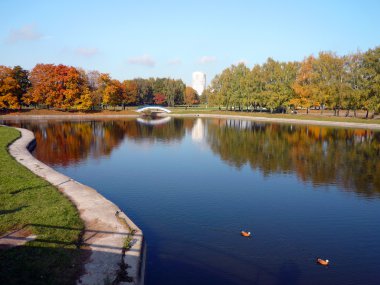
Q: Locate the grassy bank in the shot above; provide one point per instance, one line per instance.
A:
(33, 205)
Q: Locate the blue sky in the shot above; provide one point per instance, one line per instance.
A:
(131, 39)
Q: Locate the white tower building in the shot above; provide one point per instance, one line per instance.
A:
(199, 82)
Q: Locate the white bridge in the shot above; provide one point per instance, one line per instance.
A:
(153, 108)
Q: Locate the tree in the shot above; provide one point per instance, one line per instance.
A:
(357, 89)
(304, 85)
(94, 82)
(9, 89)
(191, 96)
(174, 90)
(43, 80)
(113, 92)
(58, 86)
(145, 91)
(22, 77)
(130, 94)
(159, 99)
(331, 81)
(371, 76)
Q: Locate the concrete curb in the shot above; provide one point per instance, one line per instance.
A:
(280, 120)
(105, 233)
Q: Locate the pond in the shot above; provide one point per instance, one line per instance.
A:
(192, 185)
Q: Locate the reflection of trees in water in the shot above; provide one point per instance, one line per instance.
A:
(321, 155)
(69, 142)
(172, 131)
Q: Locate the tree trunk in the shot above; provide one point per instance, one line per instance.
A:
(338, 111)
(366, 115)
(347, 113)
(307, 110)
(354, 113)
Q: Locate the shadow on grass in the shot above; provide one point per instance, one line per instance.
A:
(4, 212)
(53, 261)
(28, 188)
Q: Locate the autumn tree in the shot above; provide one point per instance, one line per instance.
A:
(112, 91)
(130, 92)
(191, 96)
(58, 86)
(9, 89)
(43, 85)
(304, 85)
(159, 99)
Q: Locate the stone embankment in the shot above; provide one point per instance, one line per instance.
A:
(115, 244)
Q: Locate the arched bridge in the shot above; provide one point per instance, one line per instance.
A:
(154, 109)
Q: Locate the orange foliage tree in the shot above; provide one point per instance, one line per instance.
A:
(58, 86)
(130, 92)
(191, 96)
(9, 88)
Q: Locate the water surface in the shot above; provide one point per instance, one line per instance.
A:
(192, 184)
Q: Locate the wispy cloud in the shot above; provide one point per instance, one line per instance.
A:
(207, 59)
(145, 60)
(87, 52)
(25, 33)
(175, 61)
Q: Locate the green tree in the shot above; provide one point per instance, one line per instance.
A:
(22, 77)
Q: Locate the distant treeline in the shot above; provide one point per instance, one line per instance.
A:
(67, 87)
(350, 82)
(329, 81)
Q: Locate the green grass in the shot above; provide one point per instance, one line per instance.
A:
(31, 203)
(314, 117)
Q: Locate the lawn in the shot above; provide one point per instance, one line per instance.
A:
(30, 203)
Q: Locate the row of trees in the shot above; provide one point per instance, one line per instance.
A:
(67, 87)
(350, 82)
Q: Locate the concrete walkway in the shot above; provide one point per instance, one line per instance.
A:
(105, 233)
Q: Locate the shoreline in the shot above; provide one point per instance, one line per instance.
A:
(282, 120)
(106, 235)
(340, 124)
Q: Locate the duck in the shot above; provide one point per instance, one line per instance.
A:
(323, 261)
(245, 234)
